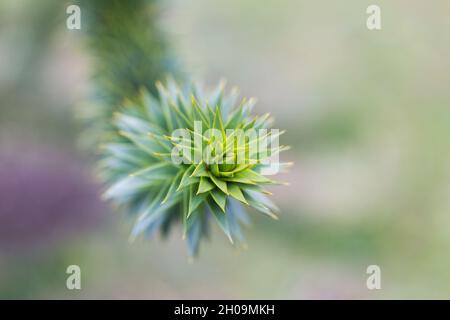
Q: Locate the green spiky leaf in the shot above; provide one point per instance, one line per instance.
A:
(191, 176)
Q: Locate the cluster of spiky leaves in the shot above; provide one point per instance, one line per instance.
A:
(138, 167)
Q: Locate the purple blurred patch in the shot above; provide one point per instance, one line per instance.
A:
(44, 198)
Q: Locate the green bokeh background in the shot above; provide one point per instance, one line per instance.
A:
(368, 119)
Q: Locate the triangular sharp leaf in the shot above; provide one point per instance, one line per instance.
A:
(194, 234)
(195, 201)
(252, 176)
(259, 206)
(187, 180)
(205, 185)
(219, 197)
(173, 186)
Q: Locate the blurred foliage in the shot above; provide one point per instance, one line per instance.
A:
(142, 176)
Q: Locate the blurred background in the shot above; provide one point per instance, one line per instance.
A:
(367, 115)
